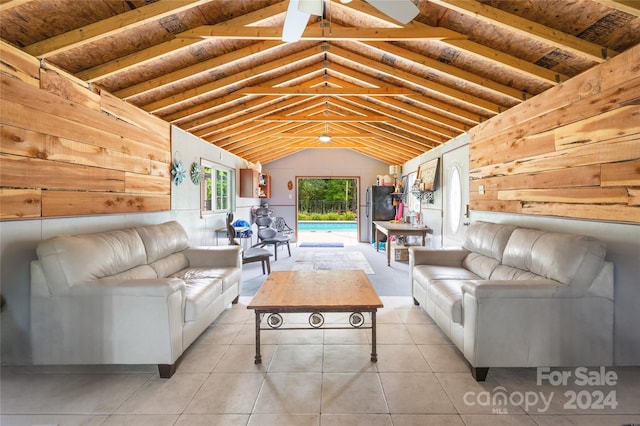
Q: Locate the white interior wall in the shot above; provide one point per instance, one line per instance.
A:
(335, 162)
(432, 213)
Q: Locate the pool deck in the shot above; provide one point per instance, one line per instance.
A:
(344, 236)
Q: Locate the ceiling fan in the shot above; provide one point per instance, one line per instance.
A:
(299, 11)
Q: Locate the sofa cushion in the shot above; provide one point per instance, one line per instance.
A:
(199, 294)
(71, 260)
(228, 276)
(163, 239)
(142, 272)
(487, 238)
(480, 265)
(574, 260)
(170, 265)
(504, 272)
(426, 274)
(447, 296)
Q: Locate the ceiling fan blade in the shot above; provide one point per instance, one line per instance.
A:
(295, 22)
(401, 10)
(314, 7)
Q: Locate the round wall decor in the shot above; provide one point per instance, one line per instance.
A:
(196, 173)
(178, 173)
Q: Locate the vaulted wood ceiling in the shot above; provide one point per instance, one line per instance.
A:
(217, 68)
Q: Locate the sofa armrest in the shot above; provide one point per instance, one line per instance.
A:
(509, 289)
(110, 321)
(447, 257)
(160, 287)
(219, 256)
(528, 323)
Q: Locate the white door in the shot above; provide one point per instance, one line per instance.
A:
(455, 209)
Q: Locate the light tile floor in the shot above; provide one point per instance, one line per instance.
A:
(313, 378)
(309, 377)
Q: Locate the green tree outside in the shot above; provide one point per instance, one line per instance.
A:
(327, 199)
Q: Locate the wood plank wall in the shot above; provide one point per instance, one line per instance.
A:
(69, 149)
(572, 151)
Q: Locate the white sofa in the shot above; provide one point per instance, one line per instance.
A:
(519, 297)
(133, 296)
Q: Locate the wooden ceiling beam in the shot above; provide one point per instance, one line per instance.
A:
(182, 117)
(163, 49)
(388, 153)
(327, 119)
(416, 80)
(499, 58)
(404, 129)
(196, 69)
(250, 73)
(266, 155)
(110, 26)
(10, 4)
(365, 10)
(243, 126)
(247, 111)
(319, 33)
(527, 28)
(364, 107)
(424, 130)
(632, 7)
(136, 59)
(226, 116)
(437, 106)
(402, 141)
(405, 138)
(411, 146)
(335, 142)
(411, 125)
(440, 67)
(311, 135)
(256, 16)
(326, 91)
(521, 66)
(444, 127)
(423, 114)
(227, 127)
(253, 135)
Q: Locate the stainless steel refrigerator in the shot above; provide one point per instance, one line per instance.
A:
(379, 207)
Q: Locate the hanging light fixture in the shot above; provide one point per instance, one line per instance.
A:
(325, 137)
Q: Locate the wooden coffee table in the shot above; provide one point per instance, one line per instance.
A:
(315, 292)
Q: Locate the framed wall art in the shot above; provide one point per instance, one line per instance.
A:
(428, 174)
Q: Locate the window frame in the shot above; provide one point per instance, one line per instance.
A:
(213, 205)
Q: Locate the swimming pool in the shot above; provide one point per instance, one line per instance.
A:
(327, 225)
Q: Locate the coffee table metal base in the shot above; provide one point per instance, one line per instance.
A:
(316, 321)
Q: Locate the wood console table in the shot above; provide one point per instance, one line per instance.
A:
(391, 228)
